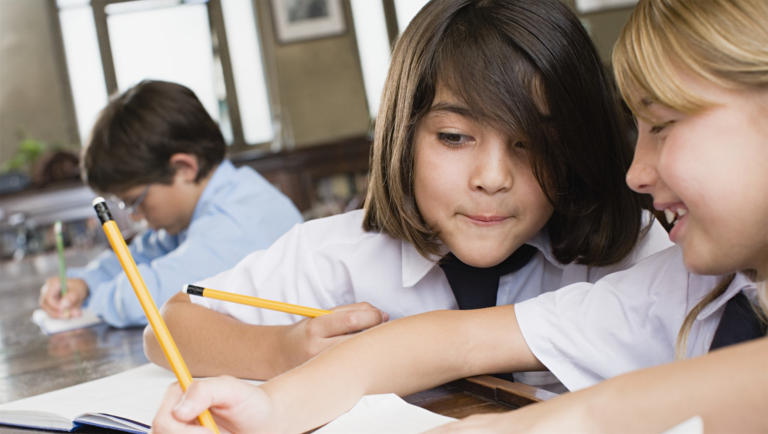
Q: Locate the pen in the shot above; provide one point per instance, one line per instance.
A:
(256, 302)
(62, 266)
(150, 309)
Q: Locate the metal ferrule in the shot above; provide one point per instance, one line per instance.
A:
(103, 212)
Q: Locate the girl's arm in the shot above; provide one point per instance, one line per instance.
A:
(213, 343)
(727, 388)
(404, 356)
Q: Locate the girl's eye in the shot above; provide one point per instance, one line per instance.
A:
(453, 139)
(656, 129)
(520, 145)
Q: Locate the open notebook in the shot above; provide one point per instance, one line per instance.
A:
(128, 402)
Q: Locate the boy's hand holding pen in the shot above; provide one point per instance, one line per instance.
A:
(58, 306)
(61, 297)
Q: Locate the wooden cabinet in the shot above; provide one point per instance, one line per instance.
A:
(298, 173)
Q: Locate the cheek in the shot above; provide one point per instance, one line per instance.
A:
(437, 180)
(533, 202)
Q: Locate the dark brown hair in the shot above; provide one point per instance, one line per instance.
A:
(137, 133)
(526, 67)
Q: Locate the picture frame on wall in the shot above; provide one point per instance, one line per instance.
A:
(301, 20)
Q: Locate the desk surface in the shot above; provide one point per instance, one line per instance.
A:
(32, 363)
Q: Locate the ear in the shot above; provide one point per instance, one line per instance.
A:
(185, 165)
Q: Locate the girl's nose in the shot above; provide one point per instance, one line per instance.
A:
(493, 168)
(642, 175)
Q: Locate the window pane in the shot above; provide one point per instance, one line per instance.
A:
(248, 70)
(86, 74)
(171, 44)
(373, 45)
(406, 10)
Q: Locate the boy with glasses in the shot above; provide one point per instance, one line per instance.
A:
(160, 155)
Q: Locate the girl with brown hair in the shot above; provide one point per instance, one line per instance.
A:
(497, 175)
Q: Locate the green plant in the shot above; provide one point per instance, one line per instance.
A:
(27, 153)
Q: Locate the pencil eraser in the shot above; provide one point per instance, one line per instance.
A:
(194, 290)
(98, 200)
(185, 288)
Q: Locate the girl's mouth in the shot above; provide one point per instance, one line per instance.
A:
(486, 220)
(674, 214)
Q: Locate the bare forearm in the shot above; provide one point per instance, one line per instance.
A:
(215, 344)
(727, 388)
(403, 357)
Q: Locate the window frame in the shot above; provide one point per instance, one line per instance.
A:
(218, 28)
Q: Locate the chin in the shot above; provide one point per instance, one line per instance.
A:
(480, 258)
(708, 266)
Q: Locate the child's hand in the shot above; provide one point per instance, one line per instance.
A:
(308, 338)
(68, 306)
(236, 406)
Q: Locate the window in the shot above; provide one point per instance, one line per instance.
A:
(406, 10)
(373, 41)
(86, 73)
(210, 46)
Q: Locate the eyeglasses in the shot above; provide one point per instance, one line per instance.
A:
(133, 207)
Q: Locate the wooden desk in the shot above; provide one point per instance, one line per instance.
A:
(32, 363)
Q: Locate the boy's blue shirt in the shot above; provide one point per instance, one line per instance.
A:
(239, 212)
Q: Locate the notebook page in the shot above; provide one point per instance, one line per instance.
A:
(52, 326)
(92, 396)
(134, 395)
(385, 414)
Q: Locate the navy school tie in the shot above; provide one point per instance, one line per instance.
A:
(740, 323)
(477, 288)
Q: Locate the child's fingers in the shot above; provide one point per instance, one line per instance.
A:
(166, 421)
(361, 305)
(347, 321)
(71, 300)
(50, 297)
(219, 392)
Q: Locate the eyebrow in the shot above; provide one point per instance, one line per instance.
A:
(453, 108)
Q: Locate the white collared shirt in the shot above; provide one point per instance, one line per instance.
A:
(586, 333)
(332, 261)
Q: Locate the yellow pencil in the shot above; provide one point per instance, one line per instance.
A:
(256, 302)
(150, 309)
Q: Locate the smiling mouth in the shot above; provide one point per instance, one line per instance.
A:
(674, 214)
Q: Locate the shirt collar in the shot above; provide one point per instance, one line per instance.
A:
(740, 283)
(220, 176)
(415, 266)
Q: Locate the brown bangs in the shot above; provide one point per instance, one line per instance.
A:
(485, 69)
(488, 73)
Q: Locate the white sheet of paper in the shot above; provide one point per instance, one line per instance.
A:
(694, 425)
(385, 414)
(52, 326)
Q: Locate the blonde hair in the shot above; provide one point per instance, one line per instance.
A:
(722, 42)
